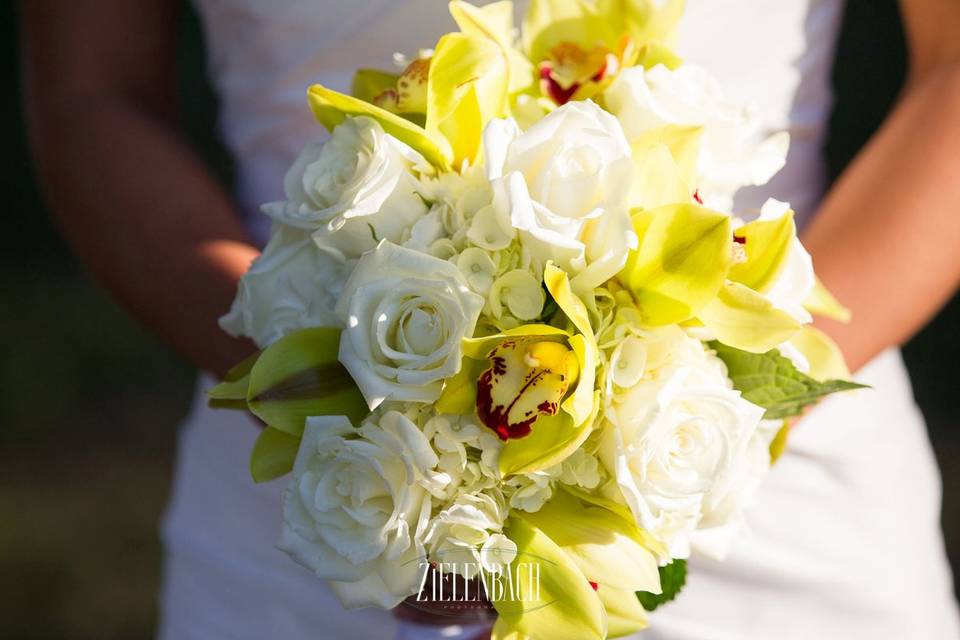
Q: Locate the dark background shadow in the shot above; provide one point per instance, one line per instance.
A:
(89, 402)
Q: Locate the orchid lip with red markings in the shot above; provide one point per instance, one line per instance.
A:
(526, 379)
(552, 88)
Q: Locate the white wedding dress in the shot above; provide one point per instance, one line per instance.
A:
(844, 539)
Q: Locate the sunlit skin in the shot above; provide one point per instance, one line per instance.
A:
(151, 223)
(134, 201)
(886, 240)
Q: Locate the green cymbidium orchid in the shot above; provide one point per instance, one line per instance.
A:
(407, 94)
(766, 246)
(331, 108)
(579, 543)
(645, 20)
(683, 271)
(467, 87)
(743, 318)
(579, 47)
(453, 93)
(369, 84)
(683, 143)
(608, 548)
(495, 22)
(822, 303)
(533, 385)
(563, 606)
(680, 264)
(822, 354)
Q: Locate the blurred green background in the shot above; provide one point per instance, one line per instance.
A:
(89, 403)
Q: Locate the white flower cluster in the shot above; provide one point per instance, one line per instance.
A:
(409, 262)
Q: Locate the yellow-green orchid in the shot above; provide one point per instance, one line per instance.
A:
(579, 47)
(440, 104)
(467, 87)
(743, 318)
(664, 166)
(683, 270)
(599, 557)
(822, 353)
(822, 303)
(766, 245)
(495, 22)
(741, 315)
(566, 606)
(406, 95)
(681, 262)
(532, 385)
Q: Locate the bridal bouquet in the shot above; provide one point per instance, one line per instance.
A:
(511, 330)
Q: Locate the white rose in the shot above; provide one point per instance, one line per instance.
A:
(720, 527)
(292, 285)
(356, 508)
(405, 314)
(677, 448)
(352, 190)
(730, 155)
(566, 174)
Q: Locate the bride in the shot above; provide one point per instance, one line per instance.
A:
(844, 542)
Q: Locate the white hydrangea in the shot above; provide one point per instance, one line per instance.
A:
(467, 452)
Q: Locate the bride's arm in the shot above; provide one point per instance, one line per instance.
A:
(887, 238)
(134, 202)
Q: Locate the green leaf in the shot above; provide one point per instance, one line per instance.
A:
(681, 261)
(232, 390)
(767, 244)
(273, 454)
(567, 607)
(331, 108)
(369, 83)
(299, 376)
(672, 578)
(742, 318)
(771, 381)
